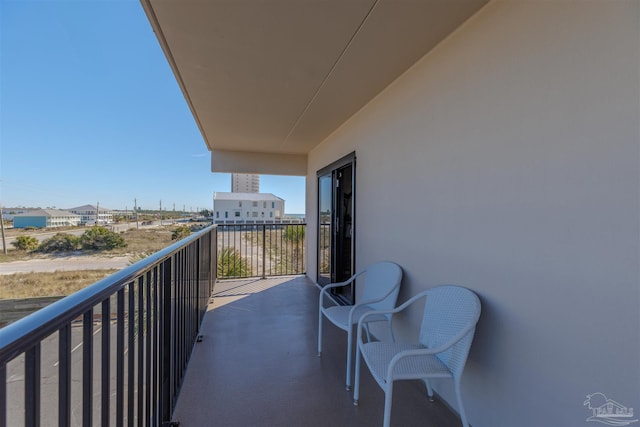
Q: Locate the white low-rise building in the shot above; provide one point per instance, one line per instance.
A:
(88, 215)
(45, 218)
(247, 207)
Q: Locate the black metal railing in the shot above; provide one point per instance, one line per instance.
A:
(124, 340)
(260, 250)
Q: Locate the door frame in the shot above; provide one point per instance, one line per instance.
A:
(332, 169)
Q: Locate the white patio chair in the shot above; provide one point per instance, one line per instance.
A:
(379, 284)
(448, 325)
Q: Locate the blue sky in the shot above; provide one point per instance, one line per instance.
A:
(91, 112)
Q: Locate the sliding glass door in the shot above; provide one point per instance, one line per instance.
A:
(336, 226)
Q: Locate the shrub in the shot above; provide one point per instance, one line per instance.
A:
(25, 243)
(101, 239)
(180, 232)
(231, 264)
(294, 233)
(60, 242)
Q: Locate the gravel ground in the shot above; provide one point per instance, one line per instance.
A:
(69, 263)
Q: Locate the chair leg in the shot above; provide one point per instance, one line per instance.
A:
(393, 337)
(349, 347)
(463, 416)
(429, 389)
(356, 386)
(319, 331)
(388, 399)
(366, 328)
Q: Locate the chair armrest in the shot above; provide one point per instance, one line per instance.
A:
(370, 301)
(398, 309)
(325, 288)
(408, 353)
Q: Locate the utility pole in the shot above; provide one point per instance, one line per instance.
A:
(160, 213)
(4, 241)
(97, 213)
(135, 208)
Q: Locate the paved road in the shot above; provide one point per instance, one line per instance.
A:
(49, 379)
(67, 263)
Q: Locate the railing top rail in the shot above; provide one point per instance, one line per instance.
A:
(251, 224)
(28, 331)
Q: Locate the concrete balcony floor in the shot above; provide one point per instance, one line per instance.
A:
(257, 365)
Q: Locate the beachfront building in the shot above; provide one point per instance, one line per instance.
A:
(89, 217)
(245, 183)
(247, 207)
(46, 218)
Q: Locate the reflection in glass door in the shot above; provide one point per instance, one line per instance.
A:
(325, 214)
(336, 208)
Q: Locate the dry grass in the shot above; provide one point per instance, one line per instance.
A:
(16, 255)
(59, 283)
(140, 243)
(145, 241)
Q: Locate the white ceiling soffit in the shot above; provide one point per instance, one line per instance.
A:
(279, 76)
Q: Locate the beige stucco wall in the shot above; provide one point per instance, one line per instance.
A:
(507, 160)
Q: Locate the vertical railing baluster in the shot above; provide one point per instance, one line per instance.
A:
(3, 394)
(245, 232)
(147, 387)
(185, 305)
(213, 255)
(177, 324)
(154, 369)
(182, 303)
(162, 350)
(177, 321)
(32, 386)
(64, 376)
(174, 329)
(194, 290)
(225, 247)
(120, 359)
(131, 353)
(239, 243)
(264, 251)
(197, 284)
(165, 340)
(140, 345)
(87, 368)
(106, 359)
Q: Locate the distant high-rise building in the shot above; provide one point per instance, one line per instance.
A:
(245, 183)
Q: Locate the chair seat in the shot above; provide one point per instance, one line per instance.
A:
(378, 355)
(339, 315)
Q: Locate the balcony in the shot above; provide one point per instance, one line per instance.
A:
(162, 341)
(257, 365)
